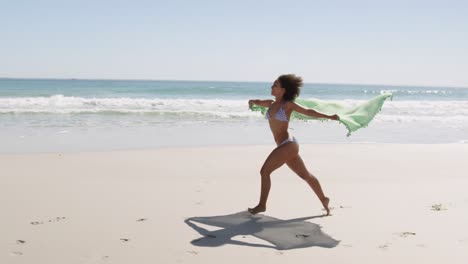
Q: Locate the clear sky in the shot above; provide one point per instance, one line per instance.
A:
(351, 41)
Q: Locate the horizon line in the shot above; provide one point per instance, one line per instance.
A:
(186, 80)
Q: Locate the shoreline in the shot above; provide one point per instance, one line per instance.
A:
(239, 145)
(253, 132)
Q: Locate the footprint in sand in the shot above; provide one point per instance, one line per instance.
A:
(56, 219)
(124, 239)
(20, 241)
(338, 207)
(344, 207)
(438, 207)
(193, 252)
(141, 219)
(385, 246)
(16, 253)
(406, 234)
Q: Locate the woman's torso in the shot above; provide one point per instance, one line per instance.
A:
(278, 116)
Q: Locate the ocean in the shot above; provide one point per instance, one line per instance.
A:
(54, 115)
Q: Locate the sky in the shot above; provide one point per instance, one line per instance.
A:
(361, 42)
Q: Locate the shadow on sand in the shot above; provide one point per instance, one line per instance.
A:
(281, 234)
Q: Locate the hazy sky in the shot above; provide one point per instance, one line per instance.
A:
(352, 41)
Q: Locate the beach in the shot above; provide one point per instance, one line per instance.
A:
(102, 171)
(391, 203)
(136, 132)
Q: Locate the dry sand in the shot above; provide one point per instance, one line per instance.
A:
(391, 204)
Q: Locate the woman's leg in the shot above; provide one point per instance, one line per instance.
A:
(276, 159)
(297, 165)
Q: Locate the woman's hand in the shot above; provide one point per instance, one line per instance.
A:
(335, 117)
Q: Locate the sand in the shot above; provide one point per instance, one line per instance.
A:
(390, 204)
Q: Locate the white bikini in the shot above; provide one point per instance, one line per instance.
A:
(281, 116)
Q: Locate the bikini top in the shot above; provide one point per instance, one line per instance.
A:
(280, 114)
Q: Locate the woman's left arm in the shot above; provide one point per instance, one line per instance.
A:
(311, 112)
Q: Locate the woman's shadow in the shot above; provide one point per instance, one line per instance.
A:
(281, 234)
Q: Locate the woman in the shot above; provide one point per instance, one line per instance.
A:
(285, 89)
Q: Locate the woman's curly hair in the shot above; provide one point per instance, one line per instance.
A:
(292, 84)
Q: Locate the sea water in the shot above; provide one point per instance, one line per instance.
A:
(42, 115)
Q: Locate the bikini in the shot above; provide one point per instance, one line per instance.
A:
(281, 116)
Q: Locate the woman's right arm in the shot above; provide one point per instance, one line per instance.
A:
(264, 103)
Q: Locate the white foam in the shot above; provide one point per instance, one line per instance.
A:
(454, 113)
(62, 104)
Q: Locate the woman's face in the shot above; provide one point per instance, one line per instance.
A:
(276, 89)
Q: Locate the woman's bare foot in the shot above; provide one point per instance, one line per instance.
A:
(325, 201)
(257, 209)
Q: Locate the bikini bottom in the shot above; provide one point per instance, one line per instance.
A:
(290, 139)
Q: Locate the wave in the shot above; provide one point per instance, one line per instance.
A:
(393, 111)
(58, 104)
(410, 92)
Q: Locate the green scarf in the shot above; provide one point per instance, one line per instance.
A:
(353, 118)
